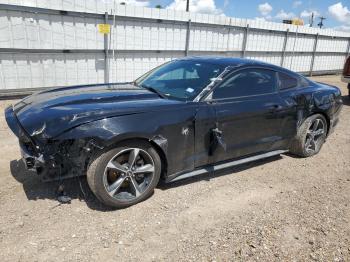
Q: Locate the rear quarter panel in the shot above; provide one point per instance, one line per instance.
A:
(319, 98)
(306, 101)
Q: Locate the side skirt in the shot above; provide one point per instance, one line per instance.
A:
(216, 167)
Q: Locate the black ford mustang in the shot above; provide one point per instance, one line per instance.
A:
(181, 119)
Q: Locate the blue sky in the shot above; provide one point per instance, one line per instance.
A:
(337, 12)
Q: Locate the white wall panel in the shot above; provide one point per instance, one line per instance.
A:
(328, 62)
(129, 66)
(209, 38)
(235, 41)
(131, 35)
(28, 30)
(300, 43)
(332, 45)
(298, 62)
(261, 41)
(40, 70)
(268, 58)
(5, 30)
(42, 31)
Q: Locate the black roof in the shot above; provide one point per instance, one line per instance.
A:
(234, 62)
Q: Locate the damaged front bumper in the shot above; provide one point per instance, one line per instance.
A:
(30, 151)
(51, 159)
(33, 162)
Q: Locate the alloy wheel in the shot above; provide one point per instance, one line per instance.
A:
(128, 174)
(315, 135)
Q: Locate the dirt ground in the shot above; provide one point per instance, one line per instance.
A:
(280, 209)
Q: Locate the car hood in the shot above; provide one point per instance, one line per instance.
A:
(49, 113)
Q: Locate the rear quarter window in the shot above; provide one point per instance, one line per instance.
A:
(286, 81)
(304, 82)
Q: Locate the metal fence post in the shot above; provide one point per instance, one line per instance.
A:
(188, 37)
(284, 47)
(245, 40)
(106, 75)
(228, 40)
(228, 37)
(313, 55)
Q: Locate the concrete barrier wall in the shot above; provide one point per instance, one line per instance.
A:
(54, 43)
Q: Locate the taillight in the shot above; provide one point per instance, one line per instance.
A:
(346, 70)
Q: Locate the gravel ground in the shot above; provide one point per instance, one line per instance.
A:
(281, 209)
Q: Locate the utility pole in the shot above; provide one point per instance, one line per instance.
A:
(320, 24)
(312, 20)
(188, 6)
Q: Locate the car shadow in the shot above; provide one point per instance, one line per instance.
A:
(346, 100)
(36, 189)
(78, 188)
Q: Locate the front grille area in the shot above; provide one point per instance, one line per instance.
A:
(27, 147)
(30, 162)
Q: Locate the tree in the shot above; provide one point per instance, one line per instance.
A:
(158, 6)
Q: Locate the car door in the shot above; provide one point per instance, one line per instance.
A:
(292, 92)
(248, 116)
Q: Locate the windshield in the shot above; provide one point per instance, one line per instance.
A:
(180, 79)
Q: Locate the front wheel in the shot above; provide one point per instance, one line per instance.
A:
(310, 137)
(125, 175)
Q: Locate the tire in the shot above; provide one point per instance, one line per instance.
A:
(301, 144)
(119, 169)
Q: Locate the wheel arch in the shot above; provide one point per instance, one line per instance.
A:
(153, 142)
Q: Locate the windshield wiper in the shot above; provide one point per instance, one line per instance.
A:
(154, 91)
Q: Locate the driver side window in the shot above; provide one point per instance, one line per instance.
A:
(247, 82)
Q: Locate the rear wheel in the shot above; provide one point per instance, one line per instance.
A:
(310, 137)
(125, 175)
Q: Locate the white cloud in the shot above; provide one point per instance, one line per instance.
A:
(265, 9)
(196, 6)
(340, 13)
(296, 4)
(282, 15)
(308, 13)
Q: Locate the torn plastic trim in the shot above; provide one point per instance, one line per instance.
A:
(31, 162)
(60, 159)
(161, 141)
(216, 139)
(92, 144)
(39, 130)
